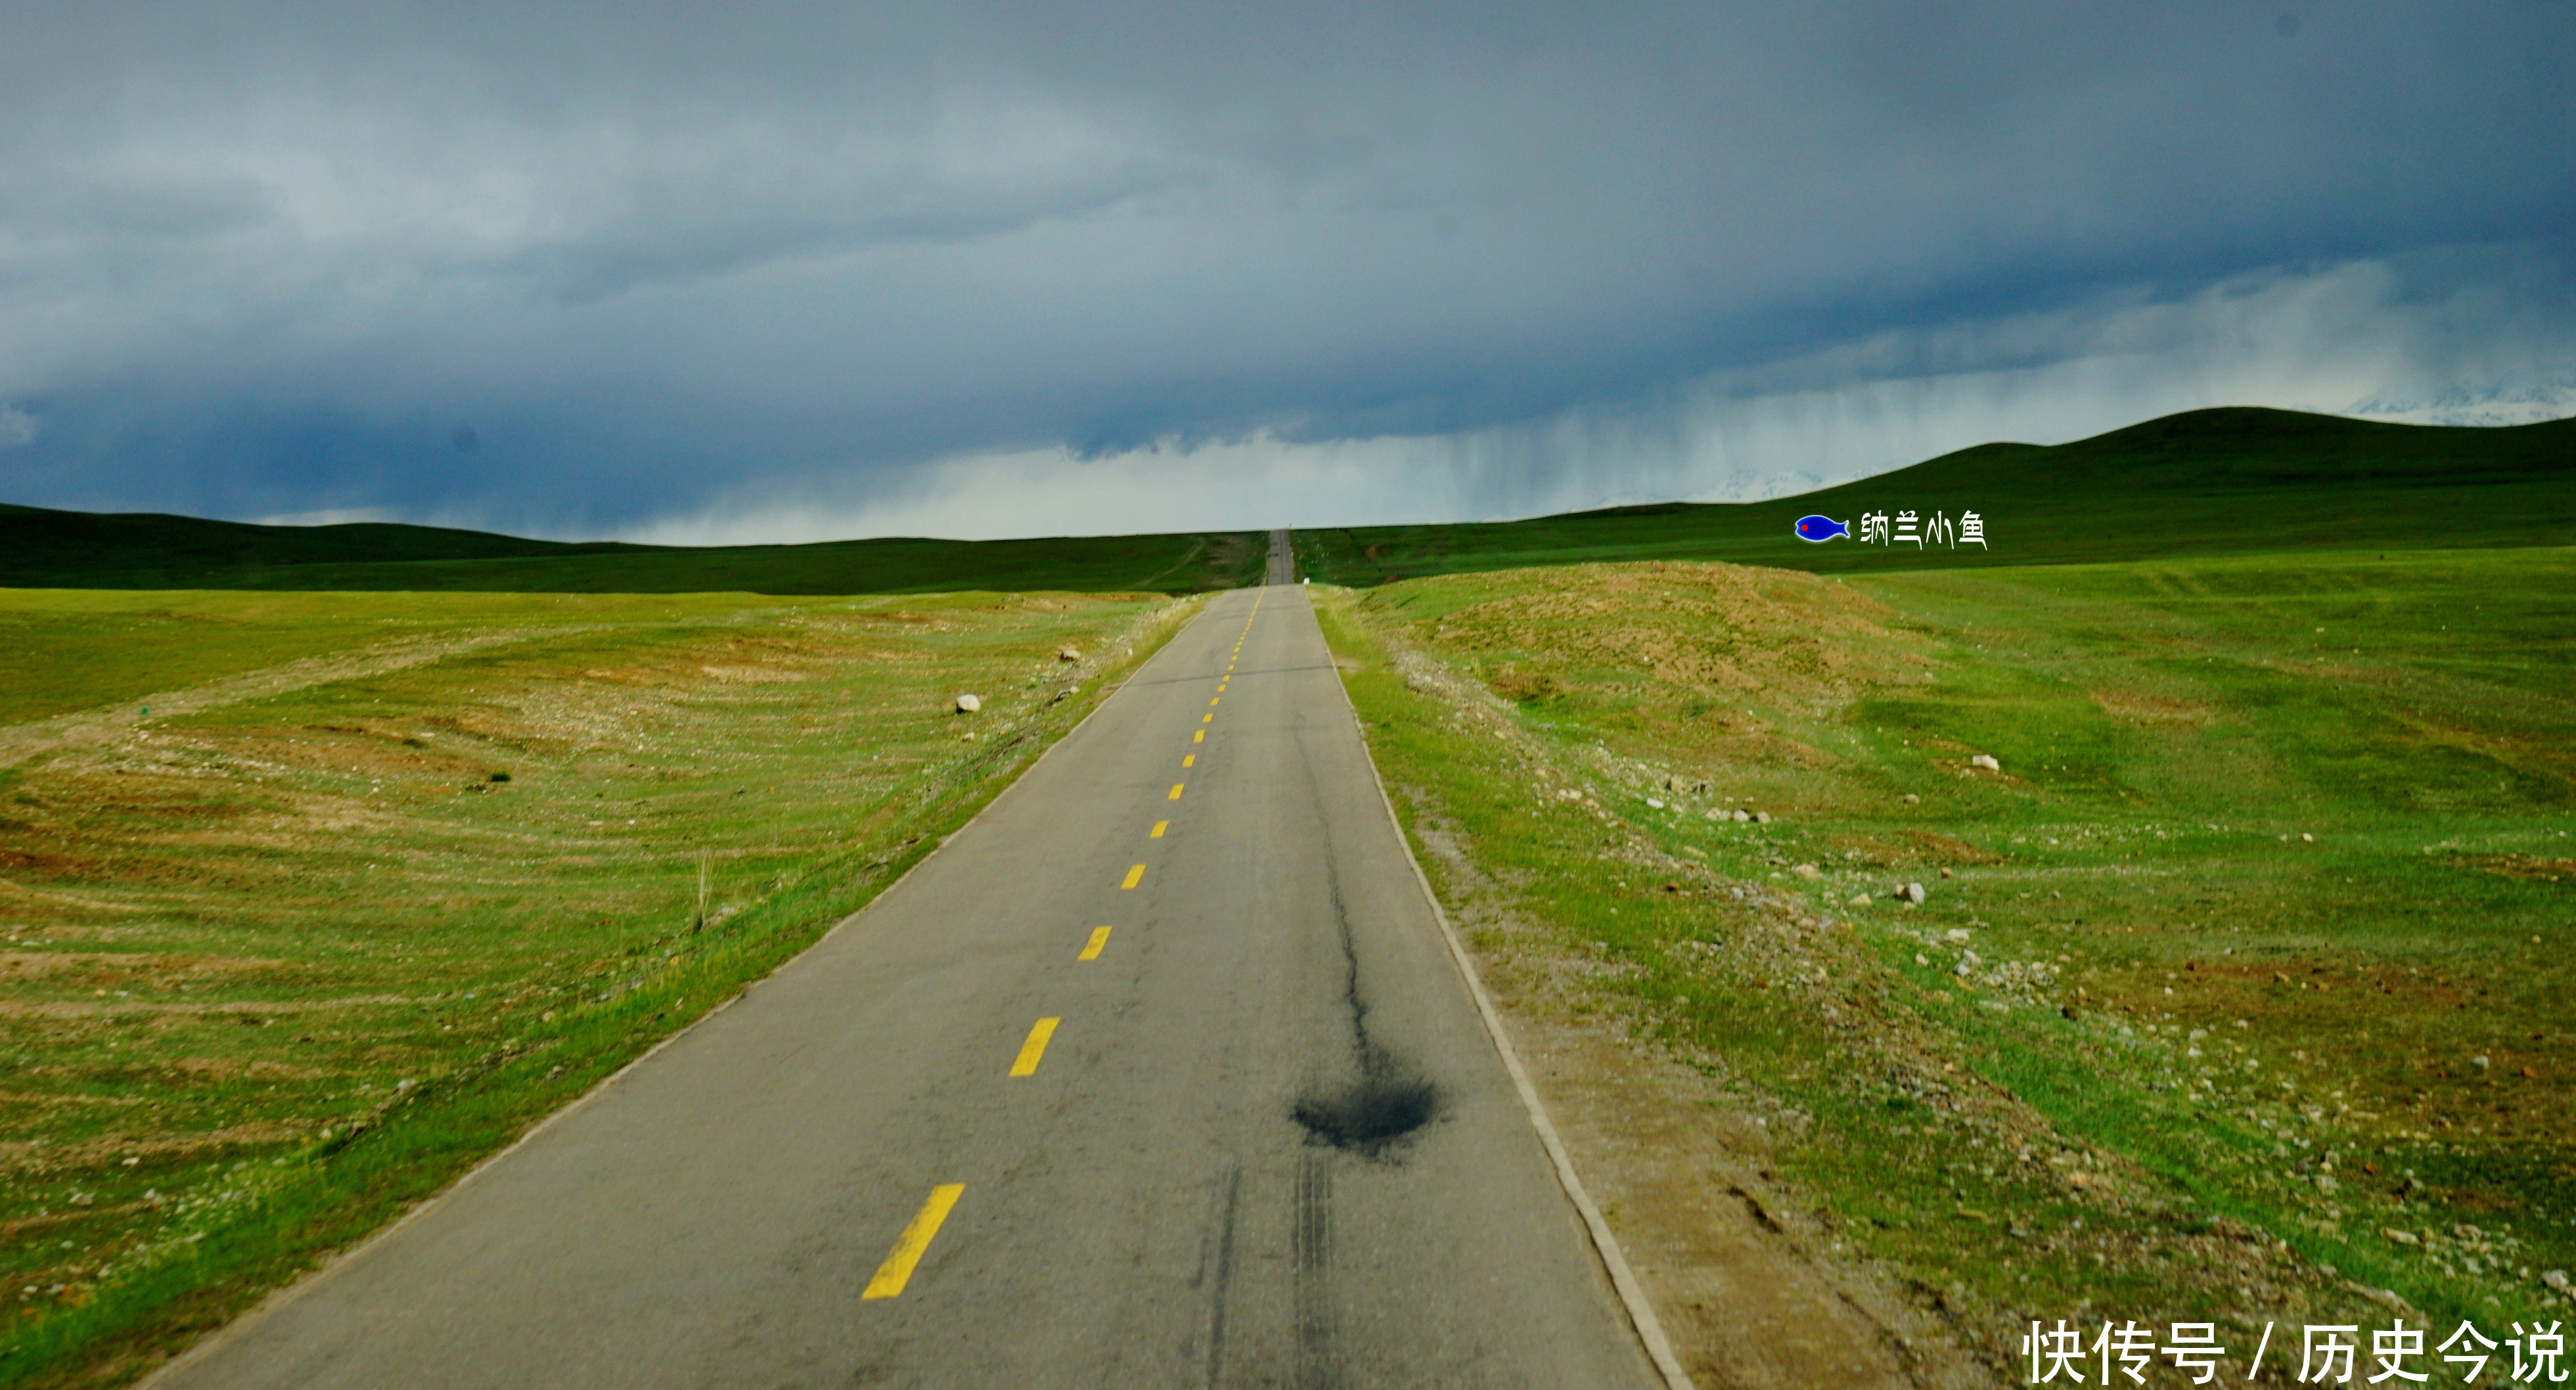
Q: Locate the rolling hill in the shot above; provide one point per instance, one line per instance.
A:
(2206, 482)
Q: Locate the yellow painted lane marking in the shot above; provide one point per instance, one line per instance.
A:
(1214, 698)
(1205, 718)
(1188, 758)
(1159, 827)
(1035, 1047)
(1198, 735)
(1176, 792)
(1099, 940)
(908, 1247)
(1134, 876)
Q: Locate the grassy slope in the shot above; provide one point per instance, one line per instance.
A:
(232, 935)
(2169, 734)
(2209, 482)
(77, 550)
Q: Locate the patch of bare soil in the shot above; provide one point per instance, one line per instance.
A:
(2525, 866)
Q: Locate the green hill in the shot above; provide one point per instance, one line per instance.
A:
(2207, 482)
(42, 549)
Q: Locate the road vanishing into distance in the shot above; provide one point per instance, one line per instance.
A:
(1160, 1073)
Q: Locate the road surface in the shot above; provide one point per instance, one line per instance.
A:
(1158, 1074)
(1283, 561)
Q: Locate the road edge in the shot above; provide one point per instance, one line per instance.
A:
(1605, 1246)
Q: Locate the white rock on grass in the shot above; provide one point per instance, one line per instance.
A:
(1914, 894)
(968, 704)
(1986, 761)
(1068, 653)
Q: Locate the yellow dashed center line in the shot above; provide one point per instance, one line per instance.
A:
(1214, 698)
(1204, 718)
(908, 1247)
(1188, 758)
(1176, 792)
(1198, 735)
(1035, 1047)
(1159, 827)
(1099, 940)
(1135, 876)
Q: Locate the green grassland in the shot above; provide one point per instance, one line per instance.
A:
(2241, 991)
(79, 550)
(288, 953)
(2205, 483)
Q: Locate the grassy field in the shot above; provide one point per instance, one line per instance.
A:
(2206, 483)
(384, 878)
(2240, 990)
(79, 550)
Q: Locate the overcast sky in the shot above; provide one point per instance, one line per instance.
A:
(702, 273)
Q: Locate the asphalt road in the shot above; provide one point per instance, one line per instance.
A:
(1283, 561)
(1260, 1137)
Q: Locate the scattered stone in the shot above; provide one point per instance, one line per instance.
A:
(1761, 818)
(968, 704)
(1922, 959)
(1986, 761)
(2326, 1184)
(2556, 1279)
(1945, 873)
(2479, 1061)
(1858, 900)
(1911, 799)
(1956, 936)
(1913, 893)
(1068, 653)
(1742, 816)
(1809, 872)
(1653, 805)
(2307, 838)
(2401, 1237)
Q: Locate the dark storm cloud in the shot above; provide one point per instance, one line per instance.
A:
(265, 259)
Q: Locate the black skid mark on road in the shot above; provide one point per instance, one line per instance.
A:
(1390, 1099)
(1318, 1368)
(1216, 1268)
